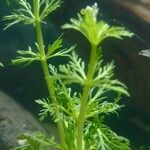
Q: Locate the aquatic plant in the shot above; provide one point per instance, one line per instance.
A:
(79, 116)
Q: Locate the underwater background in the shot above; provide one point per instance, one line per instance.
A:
(25, 84)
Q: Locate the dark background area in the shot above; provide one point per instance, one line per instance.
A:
(25, 84)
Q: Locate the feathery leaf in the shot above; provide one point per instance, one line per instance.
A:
(95, 31)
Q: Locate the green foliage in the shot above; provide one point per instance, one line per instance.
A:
(104, 78)
(36, 141)
(68, 106)
(101, 137)
(26, 57)
(97, 135)
(80, 116)
(26, 15)
(95, 31)
(53, 49)
(97, 106)
(46, 108)
(74, 71)
(48, 7)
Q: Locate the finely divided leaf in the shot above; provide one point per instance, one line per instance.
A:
(95, 31)
(54, 49)
(22, 15)
(48, 7)
(36, 141)
(26, 57)
(74, 72)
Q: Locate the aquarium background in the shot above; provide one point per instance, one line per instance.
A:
(26, 84)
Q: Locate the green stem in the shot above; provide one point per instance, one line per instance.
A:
(85, 95)
(48, 79)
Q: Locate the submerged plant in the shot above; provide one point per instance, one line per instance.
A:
(79, 116)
